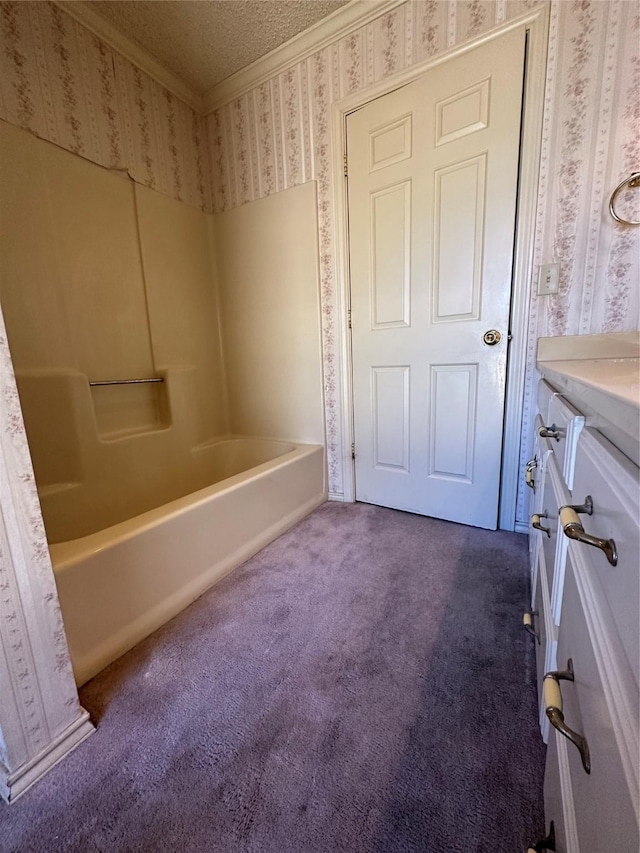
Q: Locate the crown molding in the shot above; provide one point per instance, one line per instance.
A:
(131, 51)
(336, 26)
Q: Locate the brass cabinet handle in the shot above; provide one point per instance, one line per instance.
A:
(553, 710)
(548, 843)
(572, 527)
(550, 432)
(535, 523)
(530, 467)
(527, 622)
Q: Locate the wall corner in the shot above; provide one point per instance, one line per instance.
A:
(41, 719)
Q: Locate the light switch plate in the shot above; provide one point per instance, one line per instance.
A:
(548, 279)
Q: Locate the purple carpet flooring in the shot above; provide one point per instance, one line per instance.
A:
(363, 685)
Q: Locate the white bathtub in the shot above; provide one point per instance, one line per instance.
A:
(118, 585)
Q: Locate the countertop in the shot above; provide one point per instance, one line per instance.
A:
(600, 376)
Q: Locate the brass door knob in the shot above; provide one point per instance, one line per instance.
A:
(492, 337)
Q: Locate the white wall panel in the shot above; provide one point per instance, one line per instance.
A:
(267, 259)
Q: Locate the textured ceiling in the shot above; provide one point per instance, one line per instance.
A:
(205, 41)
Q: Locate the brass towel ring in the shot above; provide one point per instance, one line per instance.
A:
(632, 181)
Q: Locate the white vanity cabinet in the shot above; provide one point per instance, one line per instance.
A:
(585, 550)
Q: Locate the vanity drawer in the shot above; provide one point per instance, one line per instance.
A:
(541, 451)
(536, 491)
(612, 481)
(568, 423)
(604, 801)
(552, 549)
(545, 394)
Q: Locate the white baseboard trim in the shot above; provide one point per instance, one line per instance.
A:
(14, 785)
(521, 527)
(336, 496)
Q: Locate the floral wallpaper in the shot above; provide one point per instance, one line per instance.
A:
(277, 135)
(40, 700)
(62, 83)
(590, 142)
(593, 128)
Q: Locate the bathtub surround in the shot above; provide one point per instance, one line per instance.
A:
(90, 264)
(357, 686)
(105, 280)
(136, 285)
(181, 284)
(267, 269)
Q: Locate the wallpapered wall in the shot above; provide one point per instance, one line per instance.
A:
(278, 134)
(61, 82)
(64, 84)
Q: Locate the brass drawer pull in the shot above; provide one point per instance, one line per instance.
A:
(548, 843)
(530, 467)
(535, 523)
(527, 622)
(553, 710)
(550, 432)
(572, 527)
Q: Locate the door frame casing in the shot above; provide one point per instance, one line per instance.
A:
(536, 23)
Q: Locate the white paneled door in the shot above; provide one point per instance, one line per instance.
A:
(433, 170)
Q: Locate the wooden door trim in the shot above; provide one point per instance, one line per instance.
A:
(536, 24)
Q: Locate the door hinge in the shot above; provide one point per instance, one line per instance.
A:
(346, 168)
(353, 450)
(349, 318)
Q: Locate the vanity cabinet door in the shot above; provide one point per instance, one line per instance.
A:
(546, 647)
(540, 627)
(604, 800)
(612, 481)
(558, 802)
